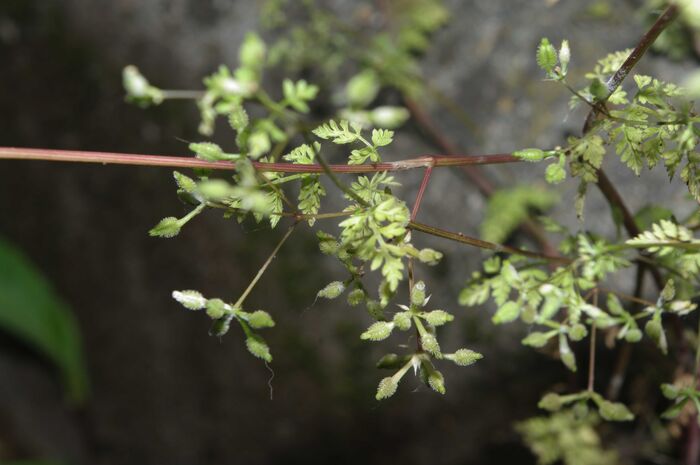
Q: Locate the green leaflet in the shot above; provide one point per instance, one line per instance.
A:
(31, 311)
(508, 208)
(546, 56)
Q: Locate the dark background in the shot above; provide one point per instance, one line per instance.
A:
(162, 391)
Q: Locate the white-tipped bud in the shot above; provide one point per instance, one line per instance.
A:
(191, 300)
(564, 56)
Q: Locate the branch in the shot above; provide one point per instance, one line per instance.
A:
(643, 45)
(606, 187)
(459, 237)
(105, 158)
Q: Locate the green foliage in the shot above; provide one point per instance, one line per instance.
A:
(298, 94)
(222, 314)
(566, 436)
(546, 56)
(508, 208)
(138, 90)
(31, 311)
(563, 300)
(425, 323)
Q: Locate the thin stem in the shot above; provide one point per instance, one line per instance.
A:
(105, 158)
(627, 297)
(257, 277)
(414, 213)
(591, 352)
(171, 94)
(697, 357)
(421, 192)
(623, 355)
(642, 46)
(459, 237)
(297, 216)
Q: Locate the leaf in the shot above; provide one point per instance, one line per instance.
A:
(260, 319)
(508, 208)
(674, 410)
(362, 88)
(430, 344)
(551, 402)
(297, 94)
(567, 357)
(310, 195)
(591, 149)
(387, 388)
(378, 331)
(388, 117)
(670, 391)
(34, 313)
(436, 381)
(614, 411)
(302, 155)
(209, 151)
(475, 294)
(531, 155)
(257, 346)
(191, 300)
(650, 214)
(429, 256)
(564, 56)
(403, 320)
(642, 81)
(382, 137)
(359, 156)
(167, 227)
(538, 339)
(238, 118)
(185, 183)
(555, 173)
(508, 312)
(437, 317)
(216, 308)
(138, 89)
(332, 290)
(252, 51)
(546, 56)
(669, 291)
(339, 133)
(464, 357)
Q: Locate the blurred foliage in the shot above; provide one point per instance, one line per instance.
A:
(31, 311)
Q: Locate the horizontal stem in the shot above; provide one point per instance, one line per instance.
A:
(459, 237)
(9, 153)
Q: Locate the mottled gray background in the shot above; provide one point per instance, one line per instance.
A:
(165, 392)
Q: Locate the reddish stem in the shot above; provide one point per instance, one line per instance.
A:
(421, 192)
(186, 162)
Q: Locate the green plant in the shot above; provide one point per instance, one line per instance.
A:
(563, 293)
(30, 310)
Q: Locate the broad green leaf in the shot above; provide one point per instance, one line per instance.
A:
(31, 311)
